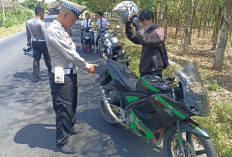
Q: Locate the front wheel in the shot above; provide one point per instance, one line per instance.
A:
(198, 146)
(102, 52)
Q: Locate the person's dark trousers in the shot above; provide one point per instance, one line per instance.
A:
(40, 48)
(93, 38)
(64, 98)
(98, 37)
(82, 37)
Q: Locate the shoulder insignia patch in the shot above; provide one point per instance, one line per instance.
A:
(60, 34)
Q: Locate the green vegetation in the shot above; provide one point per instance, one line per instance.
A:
(1, 22)
(21, 13)
(214, 86)
(219, 124)
(17, 17)
(32, 4)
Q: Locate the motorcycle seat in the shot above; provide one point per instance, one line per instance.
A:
(123, 75)
(117, 44)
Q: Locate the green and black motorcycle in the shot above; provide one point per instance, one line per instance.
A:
(158, 109)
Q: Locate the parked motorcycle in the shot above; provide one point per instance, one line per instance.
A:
(87, 39)
(158, 108)
(109, 46)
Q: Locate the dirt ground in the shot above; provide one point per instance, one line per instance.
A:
(200, 52)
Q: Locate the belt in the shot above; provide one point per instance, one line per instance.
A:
(38, 40)
(67, 71)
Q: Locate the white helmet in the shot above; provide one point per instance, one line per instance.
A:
(125, 10)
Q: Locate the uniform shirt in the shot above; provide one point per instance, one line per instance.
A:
(37, 28)
(105, 23)
(84, 23)
(61, 48)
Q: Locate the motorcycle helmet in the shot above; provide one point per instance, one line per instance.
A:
(124, 11)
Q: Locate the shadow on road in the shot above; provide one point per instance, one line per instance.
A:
(122, 141)
(23, 75)
(37, 135)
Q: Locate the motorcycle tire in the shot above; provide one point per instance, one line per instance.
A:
(102, 52)
(106, 116)
(171, 135)
(87, 47)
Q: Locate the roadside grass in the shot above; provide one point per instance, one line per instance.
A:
(11, 30)
(218, 123)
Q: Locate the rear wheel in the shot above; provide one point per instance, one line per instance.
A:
(112, 92)
(198, 146)
(87, 47)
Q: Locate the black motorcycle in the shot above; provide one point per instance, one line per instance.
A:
(158, 109)
(87, 39)
(109, 47)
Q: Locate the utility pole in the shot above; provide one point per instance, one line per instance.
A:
(3, 10)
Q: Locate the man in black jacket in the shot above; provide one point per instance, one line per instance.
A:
(151, 37)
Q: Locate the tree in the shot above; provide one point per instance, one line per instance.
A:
(202, 13)
(188, 27)
(179, 22)
(226, 21)
(220, 6)
(193, 17)
(166, 20)
(3, 11)
(207, 16)
(97, 5)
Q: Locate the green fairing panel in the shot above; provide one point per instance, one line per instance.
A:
(149, 86)
(132, 98)
(138, 124)
(175, 111)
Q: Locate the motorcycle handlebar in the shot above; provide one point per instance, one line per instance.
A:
(86, 28)
(102, 29)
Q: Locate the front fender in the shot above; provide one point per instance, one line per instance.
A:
(190, 126)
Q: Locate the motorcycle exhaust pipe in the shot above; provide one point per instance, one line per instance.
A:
(107, 104)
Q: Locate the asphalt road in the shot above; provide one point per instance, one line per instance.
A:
(27, 119)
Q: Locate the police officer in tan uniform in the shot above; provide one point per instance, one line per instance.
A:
(36, 31)
(63, 79)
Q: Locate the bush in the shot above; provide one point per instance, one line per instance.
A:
(213, 86)
(17, 17)
(1, 22)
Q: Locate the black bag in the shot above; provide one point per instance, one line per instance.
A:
(165, 59)
(164, 55)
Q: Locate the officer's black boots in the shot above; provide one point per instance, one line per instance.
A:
(36, 78)
(67, 149)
